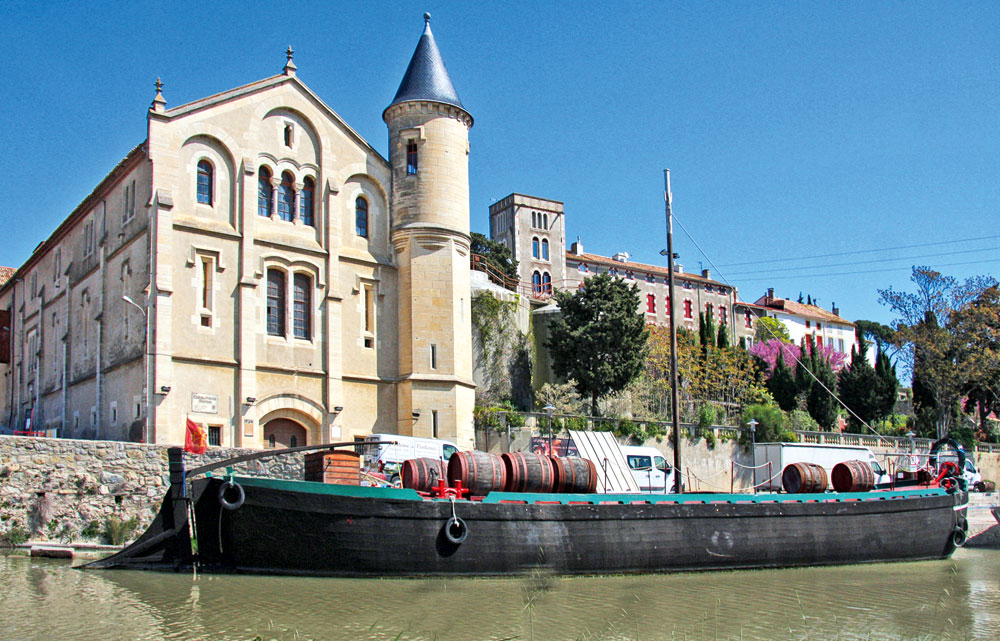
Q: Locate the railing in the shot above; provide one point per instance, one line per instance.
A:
(479, 263)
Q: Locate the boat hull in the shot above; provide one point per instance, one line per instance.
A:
(296, 527)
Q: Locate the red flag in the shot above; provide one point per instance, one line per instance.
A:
(194, 439)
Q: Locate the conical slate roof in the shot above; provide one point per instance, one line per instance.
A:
(427, 78)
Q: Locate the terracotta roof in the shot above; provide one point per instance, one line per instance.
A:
(801, 309)
(6, 273)
(595, 259)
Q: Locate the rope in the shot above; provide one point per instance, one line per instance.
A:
(749, 467)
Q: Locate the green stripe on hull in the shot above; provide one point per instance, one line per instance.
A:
(401, 494)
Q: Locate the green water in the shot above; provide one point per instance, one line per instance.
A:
(954, 599)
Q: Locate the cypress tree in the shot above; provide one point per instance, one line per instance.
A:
(820, 402)
(781, 384)
(803, 382)
(886, 385)
(723, 342)
(857, 384)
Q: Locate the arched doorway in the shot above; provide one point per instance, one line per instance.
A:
(283, 432)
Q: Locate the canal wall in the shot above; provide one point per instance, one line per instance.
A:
(64, 490)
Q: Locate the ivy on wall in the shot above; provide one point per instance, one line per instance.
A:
(504, 353)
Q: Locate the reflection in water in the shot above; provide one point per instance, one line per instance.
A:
(956, 599)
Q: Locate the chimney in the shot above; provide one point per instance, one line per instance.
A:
(621, 257)
(706, 273)
(678, 268)
(770, 292)
(577, 247)
(833, 308)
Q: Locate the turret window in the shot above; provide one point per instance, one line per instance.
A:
(411, 158)
(286, 197)
(361, 217)
(545, 249)
(265, 194)
(536, 283)
(534, 248)
(205, 182)
(306, 201)
(546, 284)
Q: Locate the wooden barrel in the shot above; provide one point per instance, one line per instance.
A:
(853, 476)
(803, 478)
(422, 474)
(574, 475)
(528, 472)
(481, 472)
(986, 486)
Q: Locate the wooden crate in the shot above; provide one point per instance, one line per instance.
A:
(341, 467)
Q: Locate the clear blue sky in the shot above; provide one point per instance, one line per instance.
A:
(791, 129)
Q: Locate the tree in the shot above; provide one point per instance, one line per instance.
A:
(856, 384)
(946, 326)
(782, 385)
(820, 401)
(886, 385)
(497, 255)
(884, 337)
(599, 339)
(723, 342)
(771, 328)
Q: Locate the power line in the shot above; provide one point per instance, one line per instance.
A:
(860, 251)
(864, 271)
(866, 262)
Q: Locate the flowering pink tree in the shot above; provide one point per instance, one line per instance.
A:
(768, 351)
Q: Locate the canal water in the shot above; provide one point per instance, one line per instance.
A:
(957, 598)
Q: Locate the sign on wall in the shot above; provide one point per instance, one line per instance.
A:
(248, 427)
(205, 403)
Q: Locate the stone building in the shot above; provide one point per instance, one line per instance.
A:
(258, 267)
(535, 231)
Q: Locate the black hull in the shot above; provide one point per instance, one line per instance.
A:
(281, 529)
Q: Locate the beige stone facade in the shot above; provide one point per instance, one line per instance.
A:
(256, 266)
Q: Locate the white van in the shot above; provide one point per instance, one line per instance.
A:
(649, 468)
(388, 457)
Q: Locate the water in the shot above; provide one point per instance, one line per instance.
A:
(954, 599)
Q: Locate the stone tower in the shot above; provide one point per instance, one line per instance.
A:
(429, 156)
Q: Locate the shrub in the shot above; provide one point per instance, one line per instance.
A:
(117, 531)
(801, 420)
(771, 424)
(16, 535)
(706, 416)
(710, 439)
(91, 530)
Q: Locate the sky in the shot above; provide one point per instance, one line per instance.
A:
(815, 147)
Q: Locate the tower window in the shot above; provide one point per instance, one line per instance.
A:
(205, 182)
(265, 194)
(286, 197)
(275, 302)
(361, 217)
(302, 299)
(411, 158)
(547, 284)
(545, 249)
(306, 201)
(534, 248)
(434, 356)
(536, 283)
(289, 135)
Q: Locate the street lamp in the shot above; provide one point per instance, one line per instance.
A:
(548, 410)
(145, 365)
(752, 424)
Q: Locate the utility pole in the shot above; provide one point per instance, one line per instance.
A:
(674, 413)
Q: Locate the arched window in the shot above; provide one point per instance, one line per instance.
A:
(545, 249)
(275, 302)
(265, 193)
(361, 217)
(546, 283)
(302, 300)
(536, 283)
(306, 201)
(205, 182)
(534, 248)
(545, 221)
(286, 197)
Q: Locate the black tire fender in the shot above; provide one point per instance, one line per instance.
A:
(240, 495)
(455, 530)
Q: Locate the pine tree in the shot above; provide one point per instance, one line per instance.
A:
(886, 385)
(803, 381)
(723, 342)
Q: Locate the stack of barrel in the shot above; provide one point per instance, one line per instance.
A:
(482, 473)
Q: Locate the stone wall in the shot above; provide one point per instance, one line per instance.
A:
(64, 490)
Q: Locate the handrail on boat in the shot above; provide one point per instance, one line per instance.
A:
(288, 450)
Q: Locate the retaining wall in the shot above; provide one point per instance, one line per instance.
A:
(68, 490)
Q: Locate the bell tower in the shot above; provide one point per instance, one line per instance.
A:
(429, 156)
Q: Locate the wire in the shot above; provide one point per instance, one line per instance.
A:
(867, 262)
(861, 251)
(863, 271)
